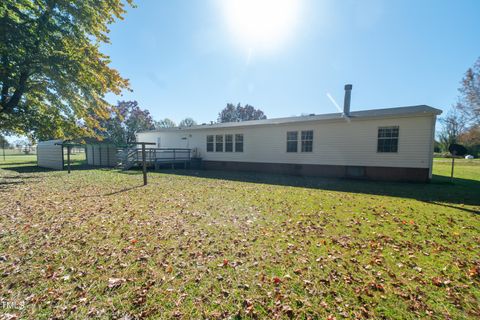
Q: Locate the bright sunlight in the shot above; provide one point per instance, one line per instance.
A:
(261, 24)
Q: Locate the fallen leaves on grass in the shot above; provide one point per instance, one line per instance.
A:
(187, 247)
(116, 282)
(474, 272)
(440, 282)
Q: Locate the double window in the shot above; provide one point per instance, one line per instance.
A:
(388, 139)
(306, 141)
(221, 143)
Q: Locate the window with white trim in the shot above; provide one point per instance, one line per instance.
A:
(210, 143)
(307, 141)
(219, 143)
(239, 142)
(387, 139)
(229, 143)
(292, 141)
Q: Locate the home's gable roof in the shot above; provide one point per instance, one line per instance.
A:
(364, 114)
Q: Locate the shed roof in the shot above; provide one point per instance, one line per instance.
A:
(363, 114)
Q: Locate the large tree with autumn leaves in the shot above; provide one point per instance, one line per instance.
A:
(53, 76)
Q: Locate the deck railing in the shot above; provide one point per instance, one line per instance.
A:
(169, 154)
(155, 156)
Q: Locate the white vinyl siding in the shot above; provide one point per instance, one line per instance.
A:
(169, 139)
(336, 142)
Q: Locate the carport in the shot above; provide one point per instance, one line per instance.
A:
(55, 154)
(50, 154)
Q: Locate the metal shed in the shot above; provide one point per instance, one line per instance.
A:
(50, 154)
(101, 155)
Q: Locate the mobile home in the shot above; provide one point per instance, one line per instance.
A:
(382, 144)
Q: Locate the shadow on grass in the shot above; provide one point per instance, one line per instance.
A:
(28, 168)
(6, 185)
(6, 164)
(113, 192)
(439, 191)
(17, 177)
(123, 190)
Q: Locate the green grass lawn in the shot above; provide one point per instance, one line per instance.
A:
(208, 244)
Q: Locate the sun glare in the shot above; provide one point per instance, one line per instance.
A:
(261, 24)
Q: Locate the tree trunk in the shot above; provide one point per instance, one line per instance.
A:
(9, 104)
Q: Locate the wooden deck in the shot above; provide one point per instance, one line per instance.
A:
(156, 157)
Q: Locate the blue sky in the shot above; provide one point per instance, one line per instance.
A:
(188, 59)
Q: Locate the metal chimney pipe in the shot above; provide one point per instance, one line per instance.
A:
(346, 101)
